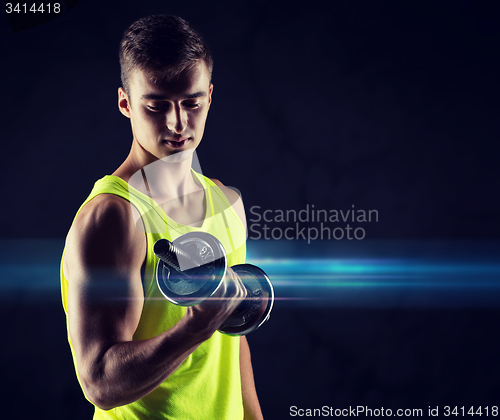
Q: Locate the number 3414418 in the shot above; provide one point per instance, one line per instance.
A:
(33, 8)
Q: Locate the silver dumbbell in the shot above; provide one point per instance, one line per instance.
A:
(191, 268)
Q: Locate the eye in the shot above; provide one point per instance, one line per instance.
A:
(155, 108)
(191, 105)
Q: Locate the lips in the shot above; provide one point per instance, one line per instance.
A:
(177, 143)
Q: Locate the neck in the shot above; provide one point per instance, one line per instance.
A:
(166, 179)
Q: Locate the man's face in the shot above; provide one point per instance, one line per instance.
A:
(168, 117)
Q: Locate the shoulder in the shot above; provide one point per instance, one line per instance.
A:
(232, 194)
(105, 212)
(104, 234)
(234, 198)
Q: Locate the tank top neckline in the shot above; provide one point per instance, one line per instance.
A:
(209, 210)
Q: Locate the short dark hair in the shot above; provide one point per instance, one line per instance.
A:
(162, 45)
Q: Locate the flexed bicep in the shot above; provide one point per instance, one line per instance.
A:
(103, 259)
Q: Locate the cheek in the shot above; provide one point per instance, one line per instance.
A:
(197, 121)
(148, 123)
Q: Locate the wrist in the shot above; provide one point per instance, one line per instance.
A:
(198, 328)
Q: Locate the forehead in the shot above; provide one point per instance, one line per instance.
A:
(194, 79)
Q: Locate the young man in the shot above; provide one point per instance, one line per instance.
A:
(138, 356)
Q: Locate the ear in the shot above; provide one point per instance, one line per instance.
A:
(210, 90)
(123, 102)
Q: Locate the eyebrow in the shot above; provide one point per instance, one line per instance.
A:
(153, 96)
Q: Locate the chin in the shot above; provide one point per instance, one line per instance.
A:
(178, 156)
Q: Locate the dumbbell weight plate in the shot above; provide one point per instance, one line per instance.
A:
(256, 308)
(194, 283)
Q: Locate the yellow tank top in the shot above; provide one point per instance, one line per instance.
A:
(207, 385)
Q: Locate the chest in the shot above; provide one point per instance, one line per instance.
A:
(188, 210)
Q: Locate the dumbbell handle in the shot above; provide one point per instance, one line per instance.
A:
(169, 253)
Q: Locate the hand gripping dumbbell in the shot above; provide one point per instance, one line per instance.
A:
(191, 268)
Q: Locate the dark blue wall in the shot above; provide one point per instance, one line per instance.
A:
(382, 105)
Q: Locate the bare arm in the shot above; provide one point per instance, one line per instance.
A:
(104, 255)
(250, 400)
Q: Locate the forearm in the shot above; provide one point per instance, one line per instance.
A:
(127, 371)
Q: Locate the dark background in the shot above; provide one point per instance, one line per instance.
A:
(386, 105)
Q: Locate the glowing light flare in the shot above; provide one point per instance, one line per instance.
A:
(464, 276)
(384, 282)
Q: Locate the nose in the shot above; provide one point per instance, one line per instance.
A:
(176, 120)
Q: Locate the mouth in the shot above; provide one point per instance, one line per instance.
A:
(177, 144)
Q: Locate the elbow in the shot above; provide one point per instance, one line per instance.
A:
(98, 393)
(103, 404)
(94, 385)
(99, 398)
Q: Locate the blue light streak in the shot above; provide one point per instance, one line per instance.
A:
(449, 278)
